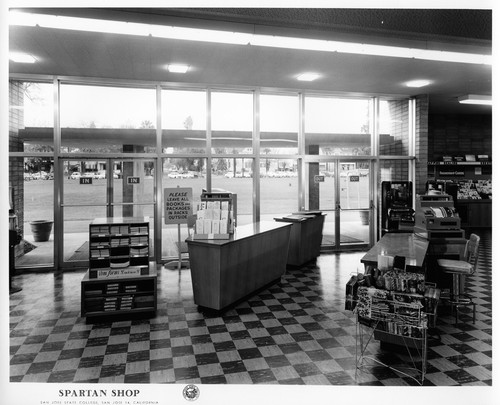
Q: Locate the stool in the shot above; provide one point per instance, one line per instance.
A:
(459, 269)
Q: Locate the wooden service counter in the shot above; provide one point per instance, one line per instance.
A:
(224, 271)
(305, 237)
(408, 245)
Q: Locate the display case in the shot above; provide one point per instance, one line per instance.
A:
(120, 279)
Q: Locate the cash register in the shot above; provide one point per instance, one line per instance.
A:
(436, 217)
(437, 220)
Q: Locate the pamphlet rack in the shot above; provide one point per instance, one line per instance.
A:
(120, 279)
(215, 216)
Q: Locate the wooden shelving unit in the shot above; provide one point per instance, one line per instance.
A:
(120, 279)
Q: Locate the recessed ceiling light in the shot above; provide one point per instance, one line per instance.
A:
(177, 68)
(307, 77)
(21, 58)
(418, 83)
(475, 99)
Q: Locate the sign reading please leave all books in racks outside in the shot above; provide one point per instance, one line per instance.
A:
(178, 205)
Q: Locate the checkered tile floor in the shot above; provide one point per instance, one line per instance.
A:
(294, 332)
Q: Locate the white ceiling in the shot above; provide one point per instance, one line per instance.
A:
(96, 55)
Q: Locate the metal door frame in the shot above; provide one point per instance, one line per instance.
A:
(109, 204)
(337, 247)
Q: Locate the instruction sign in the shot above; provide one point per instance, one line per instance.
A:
(353, 179)
(178, 205)
(319, 178)
(85, 180)
(133, 180)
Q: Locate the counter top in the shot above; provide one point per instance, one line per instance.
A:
(411, 246)
(242, 232)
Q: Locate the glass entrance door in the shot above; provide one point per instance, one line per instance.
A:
(83, 198)
(341, 190)
(101, 188)
(321, 194)
(355, 207)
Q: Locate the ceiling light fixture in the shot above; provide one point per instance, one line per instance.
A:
(21, 58)
(418, 83)
(307, 77)
(176, 68)
(240, 38)
(475, 99)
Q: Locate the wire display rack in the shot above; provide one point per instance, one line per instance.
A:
(382, 315)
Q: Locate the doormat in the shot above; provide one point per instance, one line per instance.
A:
(82, 253)
(25, 248)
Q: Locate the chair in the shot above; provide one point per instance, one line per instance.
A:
(459, 269)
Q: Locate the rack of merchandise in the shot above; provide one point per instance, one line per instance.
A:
(469, 182)
(120, 279)
(396, 307)
(215, 216)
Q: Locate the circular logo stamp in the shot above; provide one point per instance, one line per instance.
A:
(191, 392)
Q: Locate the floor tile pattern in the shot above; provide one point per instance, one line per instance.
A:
(293, 332)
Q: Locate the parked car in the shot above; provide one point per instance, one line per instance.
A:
(75, 175)
(101, 174)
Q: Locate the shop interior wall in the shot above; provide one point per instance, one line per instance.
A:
(16, 165)
(459, 135)
(421, 142)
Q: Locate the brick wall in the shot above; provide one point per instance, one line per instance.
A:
(16, 165)
(398, 110)
(421, 142)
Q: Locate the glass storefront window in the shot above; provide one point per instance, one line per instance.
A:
(236, 176)
(394, 127)
(99, 119)
(133, 182)
(337, 126)
(186, 172)
(31, 117)
(184, 118)
(32, 200)
(278, 188)
(279, 124)
(232, 123)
